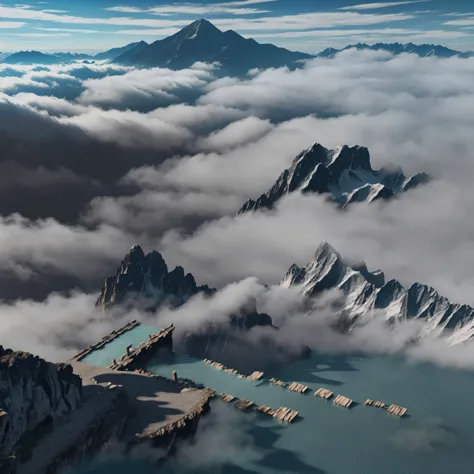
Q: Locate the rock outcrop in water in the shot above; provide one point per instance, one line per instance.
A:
(33, 393)
(365, 292)
(344, 174)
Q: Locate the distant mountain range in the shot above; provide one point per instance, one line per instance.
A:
(37, 57)
(366, 292)
(116, 52)
(202, 41)
(422, 50)
(344, 174)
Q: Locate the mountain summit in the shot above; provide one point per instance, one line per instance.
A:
(344, 174)
(204, 42)
(369, 293)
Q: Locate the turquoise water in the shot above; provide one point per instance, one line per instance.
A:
(437, 437)
(116, 349)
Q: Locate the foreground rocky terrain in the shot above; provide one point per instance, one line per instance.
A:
(54, 415)
(33, 394)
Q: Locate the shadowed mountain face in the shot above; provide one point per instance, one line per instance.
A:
(33, 393)
(32, 57)
(344, 174)
(365, 292)
(147, 276)
(422, 50)
(145, 279)
(116, 52)
(202, 41)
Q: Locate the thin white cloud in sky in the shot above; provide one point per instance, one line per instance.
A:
(191, 9)
(334, 32)
(374, 6)
(197, 8)
(385, 34)
(41, 35)
(10, 24)
(311, 20)
(68, 30)
(468, 21)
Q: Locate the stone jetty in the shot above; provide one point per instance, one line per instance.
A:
(106, 339)
(143, 353)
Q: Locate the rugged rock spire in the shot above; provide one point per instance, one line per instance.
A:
(148, 276)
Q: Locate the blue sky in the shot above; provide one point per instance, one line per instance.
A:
(306, 25)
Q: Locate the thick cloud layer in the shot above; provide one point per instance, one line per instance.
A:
(165, 159)
(62, 325)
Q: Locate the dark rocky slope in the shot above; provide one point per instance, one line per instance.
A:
(33, 394)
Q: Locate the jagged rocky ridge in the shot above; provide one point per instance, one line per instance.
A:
(33, 393)
(367, 292)
(344, 174)
(145, 280)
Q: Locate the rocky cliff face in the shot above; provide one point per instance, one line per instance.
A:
(32, 392)
(147, 277)
(104, 432)
(344, 174)
(365, 292)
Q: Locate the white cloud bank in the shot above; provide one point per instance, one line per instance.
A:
(239, 137)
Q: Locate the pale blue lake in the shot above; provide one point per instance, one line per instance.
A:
(437, 437)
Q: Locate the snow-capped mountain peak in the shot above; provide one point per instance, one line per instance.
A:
(344, 174)
(365, 294)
